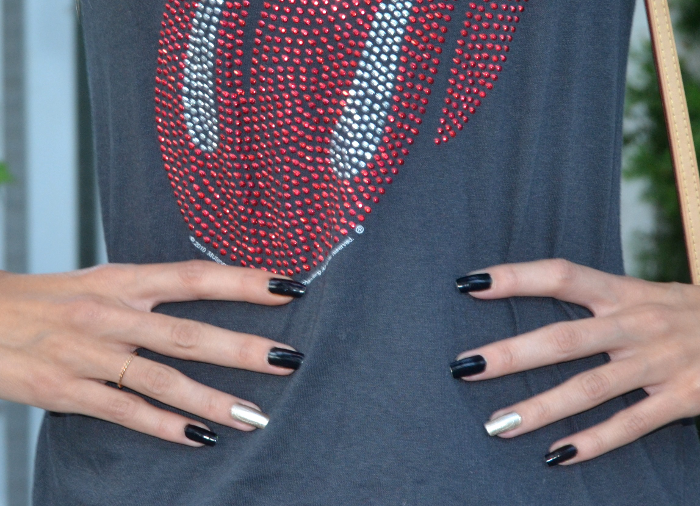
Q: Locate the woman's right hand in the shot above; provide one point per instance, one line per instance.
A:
(64, 336)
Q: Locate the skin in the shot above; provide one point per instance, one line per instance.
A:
(64, 336)
(650, 330)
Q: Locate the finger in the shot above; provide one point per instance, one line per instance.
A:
(555, 343)
(201, 342)
(131, 411)
(580, 393)
(171, 387)
(623, 428)
(149, 285)
(561, 279)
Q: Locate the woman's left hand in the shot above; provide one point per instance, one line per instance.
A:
(650, 330)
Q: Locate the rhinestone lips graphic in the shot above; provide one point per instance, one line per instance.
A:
(279, 148)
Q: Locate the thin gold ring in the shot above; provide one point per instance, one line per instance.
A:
(125, 367)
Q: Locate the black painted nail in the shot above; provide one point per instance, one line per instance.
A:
(289, 359)
(474, 283)
(201, 435)
(468, 366)
(560, 455)
(286, 287)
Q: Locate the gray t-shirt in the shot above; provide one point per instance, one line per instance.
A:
(378, 151)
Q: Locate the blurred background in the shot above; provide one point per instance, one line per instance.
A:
(49, 215)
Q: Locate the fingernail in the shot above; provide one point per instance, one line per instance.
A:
(286, 287)
(502, 424)
(468, 366)
(281, 357)
(474, 283)
(249, 415)
(560, 455)
(201, 435)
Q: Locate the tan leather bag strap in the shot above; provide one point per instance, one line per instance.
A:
(678, 124)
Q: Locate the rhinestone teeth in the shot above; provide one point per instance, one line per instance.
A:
(361, 124)
(199, 92)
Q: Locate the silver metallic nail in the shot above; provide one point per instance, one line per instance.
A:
(502, 424)
(249, 415)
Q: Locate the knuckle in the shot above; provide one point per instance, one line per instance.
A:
(672, 355)
(596, 443)
(694, 388)
(242, 281)
(677, 293)
(47, 386)
(507, 356)
(248, 278)
(158, 380)
(67, 400)
(245, 352)
(187, 335)
(191, 274)
(636, 425)
(509, 278)
(595, 386)
(566, 338)
(109, 276)
(162, 426)
(122, 409)
(689, 392)
(541, 410)
(563, 272)
(653, 320)
(626, 324)
(85, 312)
(211, 407)
(105, 272)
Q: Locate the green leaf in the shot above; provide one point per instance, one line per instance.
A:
(5, 176)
